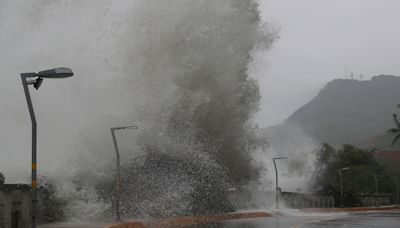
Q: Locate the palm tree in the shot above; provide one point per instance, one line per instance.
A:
(396, 130)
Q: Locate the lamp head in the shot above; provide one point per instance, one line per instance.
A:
(37, 83)
(125, 127)
(61, 72)
(131, 127)
(280, 158)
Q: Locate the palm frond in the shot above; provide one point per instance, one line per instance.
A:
(395, 139)
(396, 120)
(393, 131)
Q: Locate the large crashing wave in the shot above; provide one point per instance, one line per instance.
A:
(176, 68)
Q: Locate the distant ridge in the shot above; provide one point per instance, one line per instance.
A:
(348, 111)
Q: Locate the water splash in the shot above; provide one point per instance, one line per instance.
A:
(177, 69)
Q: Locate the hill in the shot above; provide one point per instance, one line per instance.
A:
(348, 111)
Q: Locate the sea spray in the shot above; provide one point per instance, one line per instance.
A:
(294, 173)
(177, 69)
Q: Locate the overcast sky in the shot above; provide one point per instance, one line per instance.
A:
(319, 40)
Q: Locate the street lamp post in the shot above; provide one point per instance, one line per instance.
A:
(36, 80)
(376, 188)
(376, 183)
(118, 171)
(397, 191)
(276, 181)
(341, 185)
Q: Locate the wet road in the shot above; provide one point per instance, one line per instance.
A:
(359, 220)
(389, 219)
(72, 225)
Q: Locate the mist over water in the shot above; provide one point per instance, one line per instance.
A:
(176, 69)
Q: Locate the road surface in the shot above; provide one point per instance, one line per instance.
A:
(294, 219)
(72, 225)
(349, 220)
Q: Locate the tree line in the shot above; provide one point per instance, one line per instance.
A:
(362, 173)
